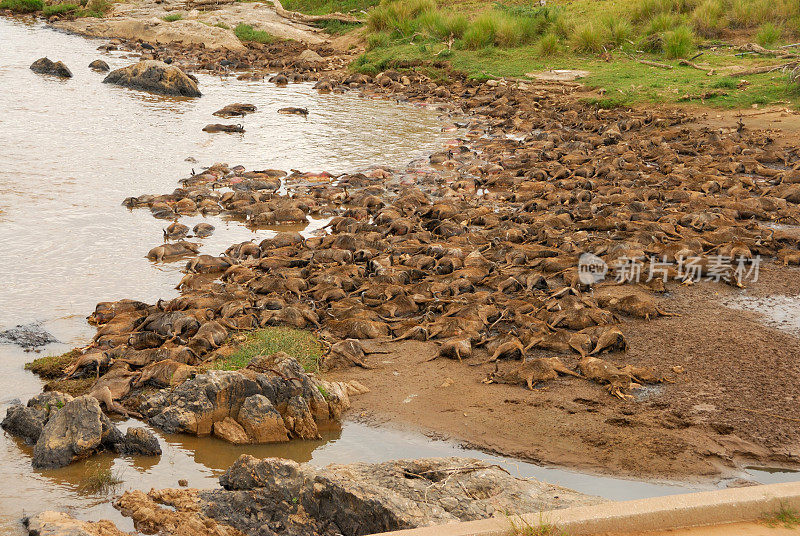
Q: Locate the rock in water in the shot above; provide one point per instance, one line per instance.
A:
(76, 431)
(139, 440)
(156, 77)
(99, 65)
(29, 336)
(47, 66)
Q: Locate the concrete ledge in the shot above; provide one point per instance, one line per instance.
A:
(657, 513)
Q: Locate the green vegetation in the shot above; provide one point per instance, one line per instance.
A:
(298, 343)
(59, 9)
(786, 516)
(76, 387)
(95, 8)
(98, 479)
(322, 7)
(172, 17)
(245, 32)
(768, 35)
(22, 6)
(52, 366)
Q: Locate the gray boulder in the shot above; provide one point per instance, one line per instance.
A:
(27, 422)
(139, 440)
(261, 420)
(47, 66)
(156, 77)
(74, 432)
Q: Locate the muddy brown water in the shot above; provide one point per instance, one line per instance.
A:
(71, 150)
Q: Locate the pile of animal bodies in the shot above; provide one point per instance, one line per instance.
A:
(480, 249)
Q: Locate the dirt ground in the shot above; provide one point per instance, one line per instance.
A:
(740, 529)
(730, 406)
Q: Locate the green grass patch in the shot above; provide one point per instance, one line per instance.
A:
(245, 32)
(172, 17)
(60, 9)
(22, 6)
(76, 387)
(785, 515)
(323, 7)
(679, 43)
(298, 343)
(52, 366)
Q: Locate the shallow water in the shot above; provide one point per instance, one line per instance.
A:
(72, 150)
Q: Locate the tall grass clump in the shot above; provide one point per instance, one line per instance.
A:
(707, 18)
(548, 45)
(768, 35)
(618, 30)
(440, 25)
(398, 16)
(679, 43)
(588, 39)
(22, 6)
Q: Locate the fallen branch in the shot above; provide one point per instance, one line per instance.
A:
(656, 64)
(688, 63)
(766, 69)
(758, 49)
(302, 17)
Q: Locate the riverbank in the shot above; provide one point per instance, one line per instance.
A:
(677, 423)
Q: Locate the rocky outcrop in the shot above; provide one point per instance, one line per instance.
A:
(273, 496)
(65, 429)
(156, 77)
(248, 406)
(51, 523)
(47, 66)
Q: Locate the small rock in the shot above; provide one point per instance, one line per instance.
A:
(156, 77)
(99, 65)
(47, 66)
(310, 56)
(183, 482)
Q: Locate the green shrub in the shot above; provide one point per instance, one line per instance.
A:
(588, 39)
(22, 6)
(679, 43)
(548, 45)
(768, 35)
(172, 17)
(59, 9)
(245, 32)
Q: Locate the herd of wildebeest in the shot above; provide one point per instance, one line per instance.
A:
(476, 249)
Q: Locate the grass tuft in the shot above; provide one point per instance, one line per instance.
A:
(99, 480)
(548, 45)
(768, 35)
(785, 515)
(245, 32)
(588, 39)
(679, 43)
(172, 17)
(298, 343)
(59, 9)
